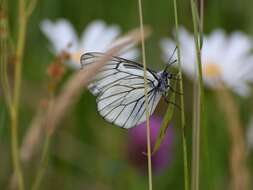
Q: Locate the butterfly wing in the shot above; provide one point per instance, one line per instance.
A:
(119, 88)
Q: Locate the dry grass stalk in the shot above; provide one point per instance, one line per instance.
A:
(33, 137)
(238, 159)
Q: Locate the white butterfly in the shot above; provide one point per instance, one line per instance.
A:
(119, 87)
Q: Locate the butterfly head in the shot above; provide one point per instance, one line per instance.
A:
(164, 81)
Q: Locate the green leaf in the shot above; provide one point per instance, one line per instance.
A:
(165, 123)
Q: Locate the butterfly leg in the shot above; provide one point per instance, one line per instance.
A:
(174, 76)
(175, 91)
(173, 103)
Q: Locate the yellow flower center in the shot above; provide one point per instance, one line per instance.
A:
(211, 70)
(75, 56)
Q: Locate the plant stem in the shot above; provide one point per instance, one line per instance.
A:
(4, 35)
(15, 151)
(43, 164)
(240, 175)
(186, 182)
(198, 117)
(146, 98)
(198, 51)
(195, 138)
(19, 54)
(16, 96)
(31, 7)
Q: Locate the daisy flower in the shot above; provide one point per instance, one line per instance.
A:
(225, 58)
(97, 37)
(137, 146)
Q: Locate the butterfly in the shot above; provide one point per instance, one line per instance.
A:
(119, 88)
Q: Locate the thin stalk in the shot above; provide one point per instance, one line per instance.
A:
(45, 150)
(6, 89)
(30, 8)
(15, 151)
(16, 96)
(146, 97)
(186, 181)
(205, 138)
(19, 54)
(4, 34)
(198, 51)
(239, 172)
(198, 117)
(43, 164)
(4, 77)
(201, 15)
(195, 138)
(201, 24)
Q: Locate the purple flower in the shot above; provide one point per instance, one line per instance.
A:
(138, 146)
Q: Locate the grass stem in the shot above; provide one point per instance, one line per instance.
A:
(186, 181)
(43, 164)
(199, 105)
(240, 175)
(146, 97)
(4, 35)
(16, 93)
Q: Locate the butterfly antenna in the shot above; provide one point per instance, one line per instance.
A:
(169, 61)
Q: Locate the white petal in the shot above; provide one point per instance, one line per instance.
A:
(98, 37)
(131, 54)
(241, 89)
(61, 34)
(213, 47)
(109, 36)
(238, 46)
(186, 42)
(128, 52)
(187, 46)
(246, 69)
(90, 35)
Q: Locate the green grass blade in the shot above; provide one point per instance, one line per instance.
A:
(198, 116)
(165, 123)
(182, 111)
(150, 183)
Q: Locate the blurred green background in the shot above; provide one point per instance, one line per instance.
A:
(88, 153)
